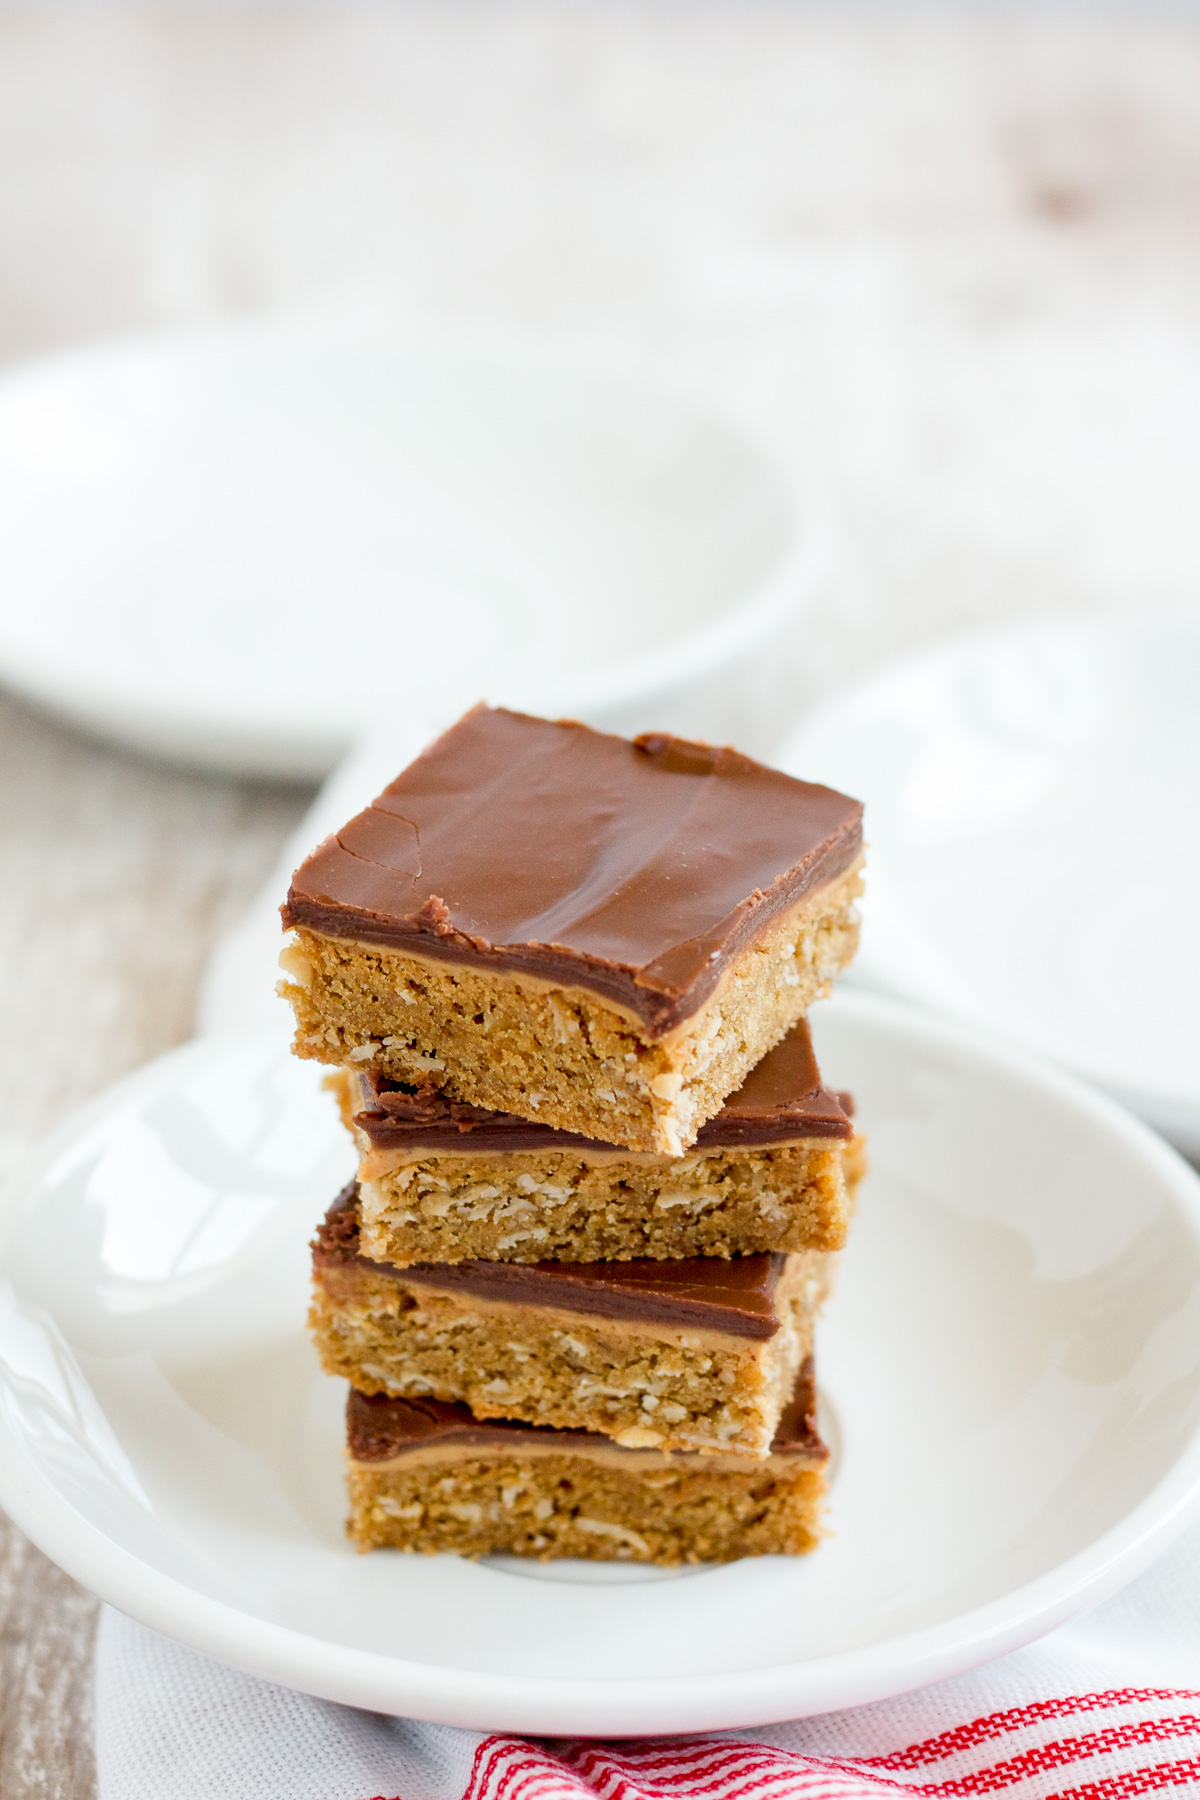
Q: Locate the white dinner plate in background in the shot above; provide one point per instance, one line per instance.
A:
(250, 545)
(1010, 1372)
(1033, 815)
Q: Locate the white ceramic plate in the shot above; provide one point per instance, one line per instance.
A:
(1035, 842)
(250, 545)
(1011, 1372)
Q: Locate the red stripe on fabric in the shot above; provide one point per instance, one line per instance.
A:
(680, 1763)
(688, 1759)
(499, 1761)
(756, 1768)
(744, 1770)
(708, 1767)
(537, 1775)
(752, 1769)
(749, 1770)
(1063, 1751)
(965, 1737)
(476, 1779)
(812, 1778)
(1136, 1781)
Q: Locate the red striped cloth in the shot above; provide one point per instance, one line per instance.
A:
(1100, 1746)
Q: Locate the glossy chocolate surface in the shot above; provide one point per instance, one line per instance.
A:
(735, 1297)
(780, 1101)
(635, 870)
(380, 1427)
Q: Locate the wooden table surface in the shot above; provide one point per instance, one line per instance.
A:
(951, 262)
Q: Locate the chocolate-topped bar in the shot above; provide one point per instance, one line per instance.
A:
(633, 870)
(442, 1181)
(427, 1475)
(684, 1354)
(600, 935)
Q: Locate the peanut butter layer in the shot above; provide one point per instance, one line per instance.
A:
(781, 1101)
(569, 1207)
(424, 1476)
(633, 871)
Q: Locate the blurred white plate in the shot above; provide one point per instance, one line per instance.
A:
(250, 545)
(1011, 1369)
(1033, 812)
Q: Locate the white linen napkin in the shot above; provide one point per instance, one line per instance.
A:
(1100, 1710)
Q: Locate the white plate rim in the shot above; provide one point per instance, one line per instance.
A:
(565, 1706)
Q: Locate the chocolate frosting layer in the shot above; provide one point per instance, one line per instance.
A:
(781, 1100)
(379, 1427)
(707, 1293)
(635, 870)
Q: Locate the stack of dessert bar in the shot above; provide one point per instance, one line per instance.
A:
(563, 978)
